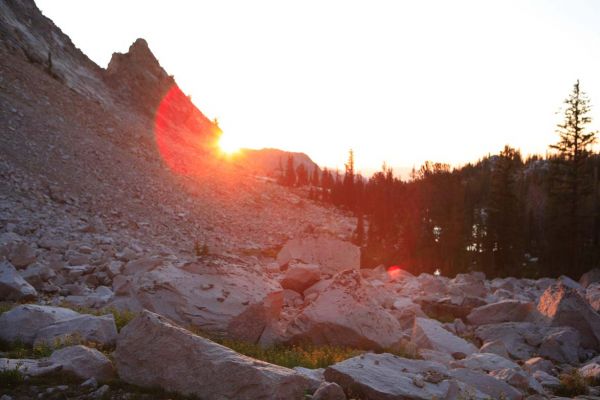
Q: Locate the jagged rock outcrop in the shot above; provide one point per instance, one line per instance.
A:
(196, 365)
(140, 78)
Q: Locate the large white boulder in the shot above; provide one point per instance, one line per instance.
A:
(430, 334)
(385, 376)
(561, 345)
(331, 254)
(494, 388)
(564, 306)
(84, 363)
(345, 314)
(502, 311)
(152, 351)
(519, 338)
(208, 295)
(25, 321)
(80, 329)
(13, 286)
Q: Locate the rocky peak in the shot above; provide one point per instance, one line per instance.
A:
(138, 62)
(138, 75)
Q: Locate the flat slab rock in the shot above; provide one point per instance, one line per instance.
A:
(389, 377)
(153, 351)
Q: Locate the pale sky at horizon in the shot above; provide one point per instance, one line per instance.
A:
(397, 81)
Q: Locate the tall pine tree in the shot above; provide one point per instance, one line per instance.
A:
(571, 180)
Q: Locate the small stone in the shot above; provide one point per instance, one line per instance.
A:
(418, 382)
(98, 394)
(91, 383)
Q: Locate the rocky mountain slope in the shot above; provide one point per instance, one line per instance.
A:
(114, 197)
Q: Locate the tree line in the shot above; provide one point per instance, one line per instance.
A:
(503, 215)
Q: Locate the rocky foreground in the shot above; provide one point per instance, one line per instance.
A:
(459, 338)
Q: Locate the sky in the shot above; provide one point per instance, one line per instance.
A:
(398, 81)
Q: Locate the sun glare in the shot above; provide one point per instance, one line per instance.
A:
(227, 144)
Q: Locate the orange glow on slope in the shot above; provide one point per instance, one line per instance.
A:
(183, 134)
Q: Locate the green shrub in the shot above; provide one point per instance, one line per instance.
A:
(18, 349)
(11, 378)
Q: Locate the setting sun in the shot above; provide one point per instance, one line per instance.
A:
(227, 144)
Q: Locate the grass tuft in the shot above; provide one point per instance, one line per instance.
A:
(11, 378)
(307, 355)
(572, 384)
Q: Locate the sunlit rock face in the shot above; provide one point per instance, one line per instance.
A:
(345, 314)
(183, 134)
(564, 306)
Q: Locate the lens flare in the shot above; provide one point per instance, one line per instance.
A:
(394, 272)
(184, 136)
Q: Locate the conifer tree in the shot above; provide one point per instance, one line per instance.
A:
(290, 173)
(571, 180)
(301, 175)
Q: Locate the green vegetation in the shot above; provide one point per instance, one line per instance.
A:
(122, 317)
(5, 306)
(572, 384)
(18, 349)
(308, 356)
(11, 378)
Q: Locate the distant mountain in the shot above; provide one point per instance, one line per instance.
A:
(272, 162)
